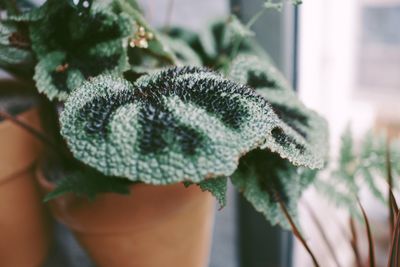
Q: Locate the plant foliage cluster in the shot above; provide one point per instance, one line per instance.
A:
(139, 105)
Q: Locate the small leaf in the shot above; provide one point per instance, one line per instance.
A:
(89, 183)
(217, 187)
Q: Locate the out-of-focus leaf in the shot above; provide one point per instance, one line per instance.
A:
(87, 182)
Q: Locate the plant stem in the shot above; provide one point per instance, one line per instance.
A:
(394, 246)
(371, 250)
(295, 230)
(249, 24)
(354, 242)
(390, 182)
(322, 232)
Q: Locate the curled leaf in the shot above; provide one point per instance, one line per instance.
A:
(264, 178)
(303, 127)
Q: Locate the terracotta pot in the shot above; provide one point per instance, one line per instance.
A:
(169, 226)
(24, 231)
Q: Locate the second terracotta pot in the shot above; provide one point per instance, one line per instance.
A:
(168, 226)
(24, 225)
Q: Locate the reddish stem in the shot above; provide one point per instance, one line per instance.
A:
(295, 230)
(354, 242)
(391, 199)
(322, 232)
(394, 246)
(371, 250)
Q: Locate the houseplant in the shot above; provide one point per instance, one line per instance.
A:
(22, 243)
(150, 113)
(370, 166)
(365, 172)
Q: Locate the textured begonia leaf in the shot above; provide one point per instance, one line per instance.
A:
(307, 127)
(260, 74)
(180, 124)
(73, 45)
(264, 178)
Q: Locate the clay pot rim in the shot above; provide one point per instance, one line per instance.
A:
(79, 222)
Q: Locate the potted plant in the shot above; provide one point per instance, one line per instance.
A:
(372, 166)
(151, 119)
(22, 243)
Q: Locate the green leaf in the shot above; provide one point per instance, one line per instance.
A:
(214, 45)
(261, 74)
(263, 177)
(357, 168)
(156, 47)
(217, 187)
(372, 165)
(175, 125)
(301, 125)
(89, 183)
(14, 48)
(73, 44)
(184, 54)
